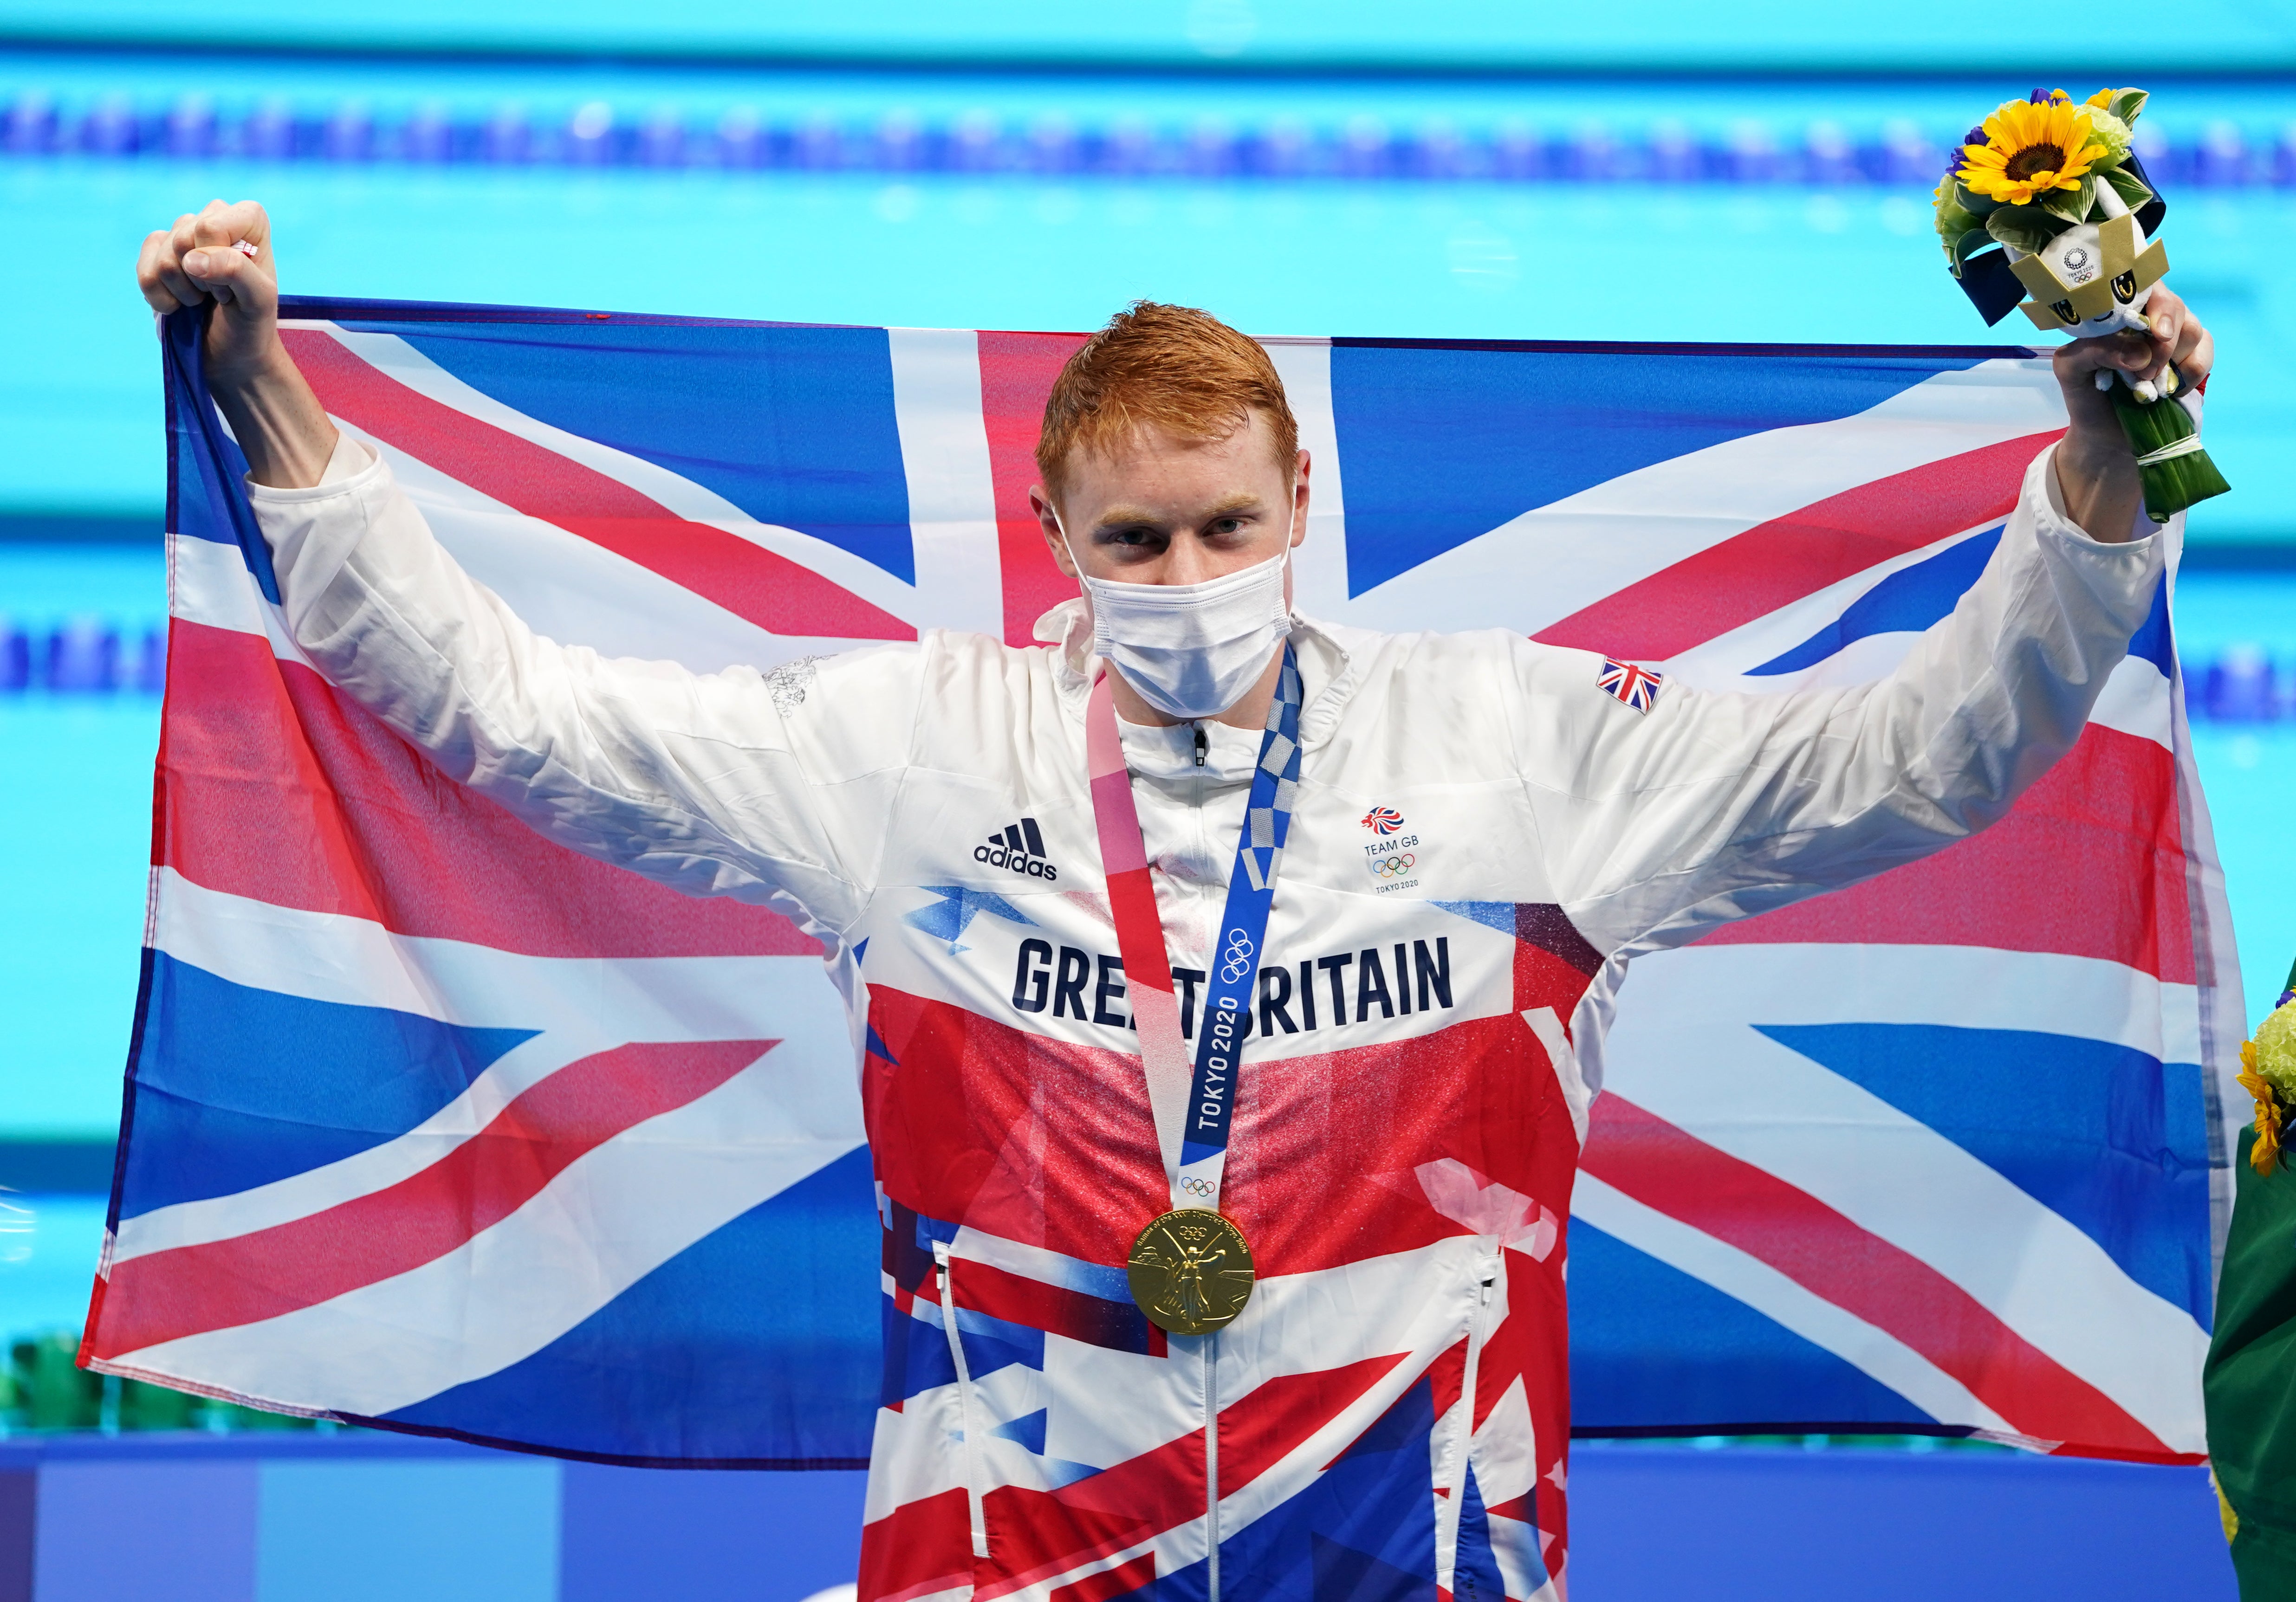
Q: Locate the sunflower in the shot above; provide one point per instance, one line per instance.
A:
(2030, 150)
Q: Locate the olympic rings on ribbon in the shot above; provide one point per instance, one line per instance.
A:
(1194, 1186)
(1394, 867)
(1237, 958)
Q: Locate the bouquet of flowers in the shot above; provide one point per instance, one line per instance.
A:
(2268, 1072)
(2045, 199)
(2247, 1382)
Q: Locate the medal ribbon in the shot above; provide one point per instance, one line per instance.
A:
(1192, 1133)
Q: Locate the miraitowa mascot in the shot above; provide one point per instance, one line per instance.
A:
(2250, 1378)
(2093, 279)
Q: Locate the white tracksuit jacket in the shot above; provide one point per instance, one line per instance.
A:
(1393, 1401)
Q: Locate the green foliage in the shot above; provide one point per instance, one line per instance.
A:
(2071, 206)
(43, 1387)
(2027, 228)
(2133, 191)
(2276, 1051)
(1968, 245)
(2181, 481)
(1955, 228)
(1953, 220)
(56, 1391)
(155, 1407)
(2112, 134)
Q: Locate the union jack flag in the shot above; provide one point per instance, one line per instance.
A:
(1636, 686)
(437, 1125)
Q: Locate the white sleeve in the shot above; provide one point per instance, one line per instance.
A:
(1715, 806)
(712, 783)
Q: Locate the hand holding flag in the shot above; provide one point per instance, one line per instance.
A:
(206, 258)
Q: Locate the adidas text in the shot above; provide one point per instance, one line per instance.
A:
(1018, 847)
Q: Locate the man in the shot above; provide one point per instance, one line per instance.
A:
(1243, 1319)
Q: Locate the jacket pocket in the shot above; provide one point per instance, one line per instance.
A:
(966, 1407)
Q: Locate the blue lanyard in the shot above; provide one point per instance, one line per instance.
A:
(1235, 978)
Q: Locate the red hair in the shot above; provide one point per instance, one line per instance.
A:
(1167, 367)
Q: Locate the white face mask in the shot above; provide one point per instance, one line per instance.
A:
(1191, 650)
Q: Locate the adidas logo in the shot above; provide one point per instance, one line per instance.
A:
(1018, 847)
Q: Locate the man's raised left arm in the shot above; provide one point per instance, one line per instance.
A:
(1717, 806)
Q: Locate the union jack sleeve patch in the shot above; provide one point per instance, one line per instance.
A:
(1635, 685)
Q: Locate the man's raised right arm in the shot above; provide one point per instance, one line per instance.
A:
(697, 780)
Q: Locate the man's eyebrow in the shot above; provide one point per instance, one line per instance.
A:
(1241, 501)
(1120, 516)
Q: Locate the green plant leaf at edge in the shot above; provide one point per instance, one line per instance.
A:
(2132, 190)
(2026, 228)
(1968, 245)
(1951, 220)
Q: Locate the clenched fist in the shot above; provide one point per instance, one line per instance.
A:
(220, 253)
(223, 254)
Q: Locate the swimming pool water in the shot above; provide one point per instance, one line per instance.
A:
(79, 397)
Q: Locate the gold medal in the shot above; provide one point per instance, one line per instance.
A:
(1190, 1271)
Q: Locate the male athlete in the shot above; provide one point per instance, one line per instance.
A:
(1248, 1318)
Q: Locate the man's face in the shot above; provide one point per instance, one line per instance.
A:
(1166, 510)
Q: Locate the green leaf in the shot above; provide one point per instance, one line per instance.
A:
(2130, 187)
(2072, 204)
(1950, 220)
(1970, 201)
(1958, 251)
(2126, 103)
(2026, 228)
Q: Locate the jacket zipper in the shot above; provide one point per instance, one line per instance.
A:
(1207, 886)
(964, 1401)
(1453, 1505)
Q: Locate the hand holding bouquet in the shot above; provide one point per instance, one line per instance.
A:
(2046, 199)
